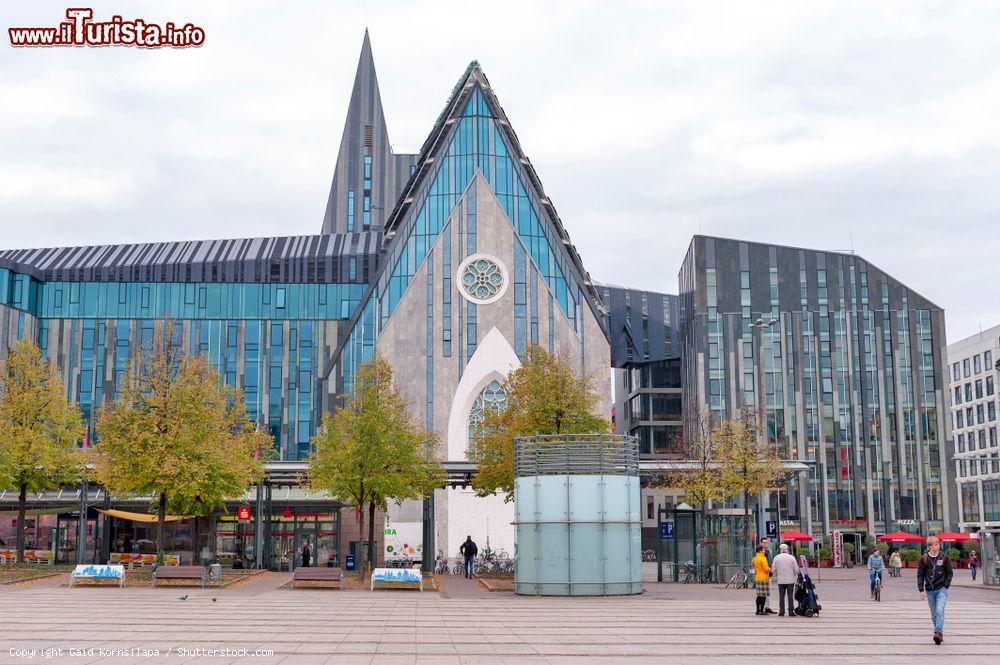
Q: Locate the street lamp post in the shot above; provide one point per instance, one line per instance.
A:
(81, 536)
(763, 432)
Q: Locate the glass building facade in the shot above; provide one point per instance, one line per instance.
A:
(842, 365)
(645, 355)
(271, 337)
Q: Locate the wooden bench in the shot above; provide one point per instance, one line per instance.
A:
(180, 573)
(98, 573)
(334, 575)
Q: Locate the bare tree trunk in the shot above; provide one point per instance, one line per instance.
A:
(362, 555)
(701, 537)
(161, 518)
(371, 533)
(746, 522)
(22, 505)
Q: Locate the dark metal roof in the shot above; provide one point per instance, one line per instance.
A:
(313, 258)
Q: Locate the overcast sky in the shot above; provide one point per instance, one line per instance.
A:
(821, 125)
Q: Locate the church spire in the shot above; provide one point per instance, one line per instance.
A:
(367, 176)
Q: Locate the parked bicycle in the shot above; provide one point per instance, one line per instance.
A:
(441, 565)
(698, 574)
(405, 562)
(739, 580)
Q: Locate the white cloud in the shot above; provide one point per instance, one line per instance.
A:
(800, 123)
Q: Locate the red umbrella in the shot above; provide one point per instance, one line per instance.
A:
(795, 535)
(953, 537)
(900, 537)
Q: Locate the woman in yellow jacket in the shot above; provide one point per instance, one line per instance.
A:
(762, 578)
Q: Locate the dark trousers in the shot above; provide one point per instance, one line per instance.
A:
(783, 590)
(468, 565)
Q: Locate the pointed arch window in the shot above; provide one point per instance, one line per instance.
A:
(491, 400)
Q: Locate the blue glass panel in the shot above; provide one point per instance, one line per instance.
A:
(113, 300)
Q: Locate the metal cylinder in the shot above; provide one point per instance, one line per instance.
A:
(578, 515)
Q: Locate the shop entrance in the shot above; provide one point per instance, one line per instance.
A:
(292, 531)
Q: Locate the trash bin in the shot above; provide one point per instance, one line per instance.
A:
(215, 573)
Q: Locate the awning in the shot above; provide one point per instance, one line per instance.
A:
(899, 537)
(953, 537)
(795, 535)
(140, 517)
(33, 512)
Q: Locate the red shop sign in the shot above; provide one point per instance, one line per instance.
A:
(243, 513)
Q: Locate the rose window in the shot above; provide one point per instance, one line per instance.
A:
(482, 279)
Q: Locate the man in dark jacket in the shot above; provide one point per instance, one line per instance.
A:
(305, 555)
(469, 551)
(933, 580)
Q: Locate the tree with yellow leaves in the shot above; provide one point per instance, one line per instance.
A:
(178, 435)
(39, 430)
(750, 465)
(372, 451)
(700, 476)
(545, 395)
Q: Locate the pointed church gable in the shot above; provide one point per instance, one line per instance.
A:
(477, 140)
(473, 134)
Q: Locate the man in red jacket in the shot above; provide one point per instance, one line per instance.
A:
(933, 580)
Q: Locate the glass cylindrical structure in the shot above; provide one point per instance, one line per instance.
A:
(578, 515)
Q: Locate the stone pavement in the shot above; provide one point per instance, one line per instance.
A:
(456, 586)
(671, 622)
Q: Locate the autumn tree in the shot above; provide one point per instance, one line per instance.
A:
(545, 395)
(177, 434)
(39, 430)
(700, 472)
(750, 465)
(371, 451)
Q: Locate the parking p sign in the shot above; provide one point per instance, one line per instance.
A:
(666, 530)
(772, 528)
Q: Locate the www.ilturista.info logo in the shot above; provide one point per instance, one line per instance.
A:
(81, 30)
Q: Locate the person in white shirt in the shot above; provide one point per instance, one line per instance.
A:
(786, 573)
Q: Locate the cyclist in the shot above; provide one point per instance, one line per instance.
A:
(875, 567)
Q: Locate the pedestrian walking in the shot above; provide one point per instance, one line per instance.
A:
(306, 556)
(875, 567)
(934, 575)
(973, 564)
(895, 564)
(762, 578)
(786, 572)
(469, 551)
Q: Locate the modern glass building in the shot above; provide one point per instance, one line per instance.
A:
(844, 367)
(645, 353)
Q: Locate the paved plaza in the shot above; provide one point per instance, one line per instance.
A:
(465, 624)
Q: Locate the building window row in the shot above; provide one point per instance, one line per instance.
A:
(976, 466)
(977, 415)
(970, 366)
(967, 441)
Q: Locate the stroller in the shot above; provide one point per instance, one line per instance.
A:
(805, 596)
